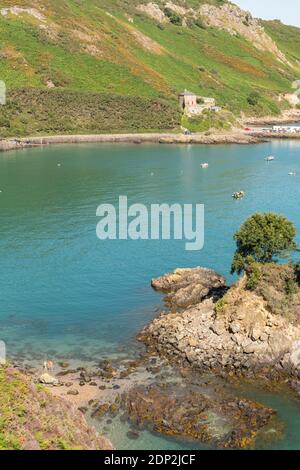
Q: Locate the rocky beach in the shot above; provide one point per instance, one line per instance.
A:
(145, 392)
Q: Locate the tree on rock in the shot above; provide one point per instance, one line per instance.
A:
(263, 238)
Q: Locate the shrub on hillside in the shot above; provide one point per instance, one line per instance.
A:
(173, 17)
(253, 98)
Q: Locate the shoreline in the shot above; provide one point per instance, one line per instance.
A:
(114, 391)
(156, 138)
(232, 138)
(285, 119)
(110, 393)
(273, 135)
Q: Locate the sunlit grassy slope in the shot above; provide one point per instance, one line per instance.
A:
(109, 47)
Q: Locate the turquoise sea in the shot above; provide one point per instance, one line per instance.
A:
(66, 293)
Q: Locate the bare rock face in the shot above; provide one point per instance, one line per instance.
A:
(227, 17)
(237, 332)
(153, 10)
(234, 20)
(223, 421)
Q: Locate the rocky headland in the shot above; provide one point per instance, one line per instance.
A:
(238, 330)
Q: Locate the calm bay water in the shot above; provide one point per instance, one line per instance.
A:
(63, 290)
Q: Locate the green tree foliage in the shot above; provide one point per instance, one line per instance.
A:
(263, 238)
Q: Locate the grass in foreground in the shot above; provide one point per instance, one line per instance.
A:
(31, 419)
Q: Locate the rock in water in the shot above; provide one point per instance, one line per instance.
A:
(214, 327)
(225, 421)
(187, 287)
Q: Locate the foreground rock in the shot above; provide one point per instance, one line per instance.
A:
(47, 379)
(241, 330)
(183, 411)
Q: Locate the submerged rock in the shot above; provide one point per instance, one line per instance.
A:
(184, 411)
(132, 435)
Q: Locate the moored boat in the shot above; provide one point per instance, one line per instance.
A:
(238, 195)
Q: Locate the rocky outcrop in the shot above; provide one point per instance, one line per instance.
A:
(227, 17)
(222, 421)
(239, 331)
(235, 21)
(187, 287)
(16, 11)
(152, 9)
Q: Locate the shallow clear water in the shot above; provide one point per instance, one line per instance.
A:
(63, 290)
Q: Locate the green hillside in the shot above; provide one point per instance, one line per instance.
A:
(112, 47)
(287, 38)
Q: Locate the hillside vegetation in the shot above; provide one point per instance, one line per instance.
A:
(135, 48)
(32, 419)
(32, 111)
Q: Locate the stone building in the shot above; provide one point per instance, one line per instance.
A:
(187, 99)
(191, 104)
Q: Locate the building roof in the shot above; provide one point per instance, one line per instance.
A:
(187, 93)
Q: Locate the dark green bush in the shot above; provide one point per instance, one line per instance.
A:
(173, 17)
(253, 98)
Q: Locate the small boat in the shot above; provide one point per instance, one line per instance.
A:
(238, 195)
(269, 159)
(204, 165)
(292, 173)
